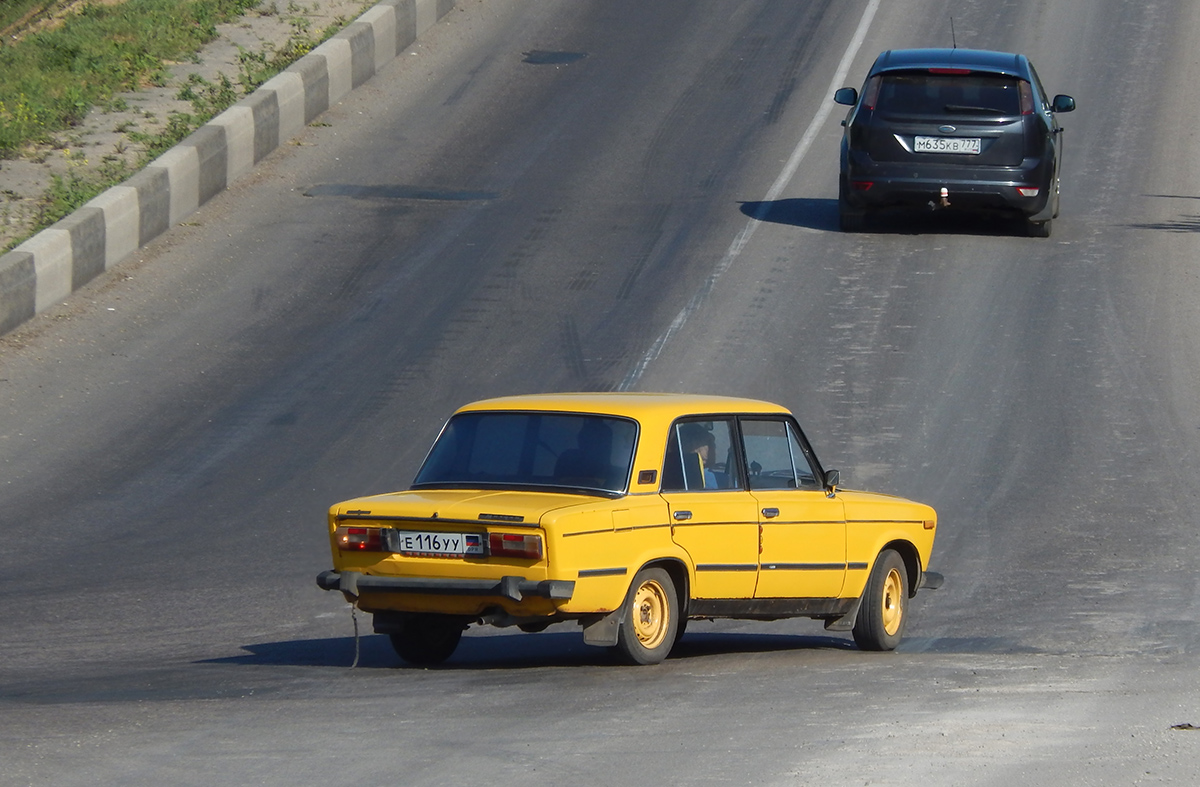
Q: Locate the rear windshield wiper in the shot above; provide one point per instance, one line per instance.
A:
(967, 108)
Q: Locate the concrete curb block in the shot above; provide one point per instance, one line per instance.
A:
(48, 267)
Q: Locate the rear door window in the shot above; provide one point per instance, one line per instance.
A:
(701, 455)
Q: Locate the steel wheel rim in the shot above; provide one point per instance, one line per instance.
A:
(651, 614)
(893, 610)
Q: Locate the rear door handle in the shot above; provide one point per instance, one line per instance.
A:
(682, 515)
(770, 513)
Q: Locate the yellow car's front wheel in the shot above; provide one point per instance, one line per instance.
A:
(651, 618)
(884, 608)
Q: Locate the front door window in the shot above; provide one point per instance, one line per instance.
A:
(803, 531)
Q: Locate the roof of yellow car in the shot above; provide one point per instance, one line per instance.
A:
(628, 404)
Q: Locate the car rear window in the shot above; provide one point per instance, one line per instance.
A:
(924, 93)
(531, 449)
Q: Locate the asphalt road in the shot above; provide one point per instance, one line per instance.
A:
(592, 194)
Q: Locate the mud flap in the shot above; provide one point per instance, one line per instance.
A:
(845, 622)
(601, 631)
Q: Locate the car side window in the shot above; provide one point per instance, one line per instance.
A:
(701, 456)
(774, 456)
(804, 471)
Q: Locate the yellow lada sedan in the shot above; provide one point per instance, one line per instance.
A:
(631, 514)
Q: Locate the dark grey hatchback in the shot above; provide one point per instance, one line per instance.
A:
(951, 129)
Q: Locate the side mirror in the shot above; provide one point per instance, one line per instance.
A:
(1063, 104)
(832, 479)
(847, 96)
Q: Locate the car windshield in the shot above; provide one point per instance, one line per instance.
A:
(922, 93)
(569, 451)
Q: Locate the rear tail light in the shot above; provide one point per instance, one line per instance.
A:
(1027, 192)
(1026, 98)
(871, 92)
(515, 545)
(862, 185)
(359, 539)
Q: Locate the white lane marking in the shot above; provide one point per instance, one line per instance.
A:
(743, 237)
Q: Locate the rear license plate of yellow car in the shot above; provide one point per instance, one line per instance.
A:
(970, 145)
(419, 542)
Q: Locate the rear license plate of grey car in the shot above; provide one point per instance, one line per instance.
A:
(969, 145)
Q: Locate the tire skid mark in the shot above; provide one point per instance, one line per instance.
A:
(747, 232)
(572, 347)
(654, 223)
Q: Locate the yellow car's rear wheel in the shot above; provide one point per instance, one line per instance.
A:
(650, 619)
(426, 639)
(884, 608)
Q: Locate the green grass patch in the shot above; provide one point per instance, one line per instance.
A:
(24, 124)
(50, 80)
(13, 11)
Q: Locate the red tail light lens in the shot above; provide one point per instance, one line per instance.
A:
(871, 92)
(515, 545)
(1026, 98)
(359, 539)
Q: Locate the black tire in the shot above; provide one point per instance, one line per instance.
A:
(680, 629)
(1038, 229)
(650, 620)
(884, 609)
(849, 219)
(427, 639)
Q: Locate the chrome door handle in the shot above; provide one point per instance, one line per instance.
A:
(682, 515)
(770, 513)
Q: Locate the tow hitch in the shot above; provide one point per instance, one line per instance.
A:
(943, 200)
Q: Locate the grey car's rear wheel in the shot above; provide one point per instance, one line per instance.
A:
(850, 219)
(427, 639)
(1041, 229)
(884, 608)
(1037, 229)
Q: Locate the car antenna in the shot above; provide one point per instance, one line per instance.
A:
(953, 38)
